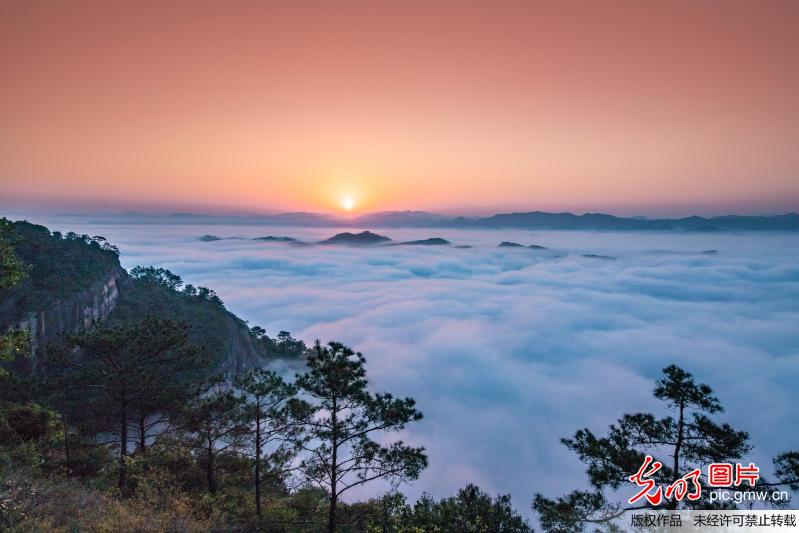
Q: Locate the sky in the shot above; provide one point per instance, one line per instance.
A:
(623, 106)
(506, 350)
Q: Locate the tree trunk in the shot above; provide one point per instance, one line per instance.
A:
(677, 447)
(258, 462)
(123, 444)
(331, 518)
(142, 433)
(66, 440)
(209, 468)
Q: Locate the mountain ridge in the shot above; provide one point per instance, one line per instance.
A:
(517, 220)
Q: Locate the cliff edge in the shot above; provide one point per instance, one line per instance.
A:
(75, 282)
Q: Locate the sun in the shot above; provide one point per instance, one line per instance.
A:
(348, 204)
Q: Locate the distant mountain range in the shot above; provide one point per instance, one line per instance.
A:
(527, 220)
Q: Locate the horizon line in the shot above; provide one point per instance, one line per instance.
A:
(157, 213)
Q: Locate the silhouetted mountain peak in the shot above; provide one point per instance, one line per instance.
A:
(272, 238)
(360, 239)
(432, 241)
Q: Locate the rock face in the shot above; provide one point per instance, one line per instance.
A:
(76, 281)
(74, 314)
(243, 351)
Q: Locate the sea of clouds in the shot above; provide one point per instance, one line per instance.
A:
(508, 350)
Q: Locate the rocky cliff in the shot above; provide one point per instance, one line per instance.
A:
(75, 281)
(225, 340)
(73, 314)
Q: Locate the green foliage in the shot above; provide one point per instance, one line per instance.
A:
(283, 345)
(571, 512)
(682, 443)
(26, 422)
(15, 343)
(678, 389)
(470, 511)
(30, 436)
(221, 336)
(172, 282)
(30, 503)
(12, 271)
(388, 513)
(216, 423)
(130, 367)
(287, 346)
(56, 476)
(41, 268)
(58, 266)
(159, 276)
(786, 466)
(347, 418)
(201, 449)
(275, 419)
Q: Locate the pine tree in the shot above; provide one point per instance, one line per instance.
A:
(347, 417)
(119, 368)
(216, 421)
(681, 443)
(275, 421)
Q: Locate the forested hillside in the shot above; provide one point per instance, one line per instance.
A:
(73, 281)
(225, 340)
(149, 410)
(56, 266)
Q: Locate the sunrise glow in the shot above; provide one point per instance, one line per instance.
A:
(524, 217)
(532, 105)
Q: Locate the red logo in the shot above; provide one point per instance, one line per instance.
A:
(688, 486)
(638, 478)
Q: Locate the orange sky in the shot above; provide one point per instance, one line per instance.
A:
(465, 106)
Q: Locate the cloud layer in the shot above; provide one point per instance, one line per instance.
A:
(508, 350)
